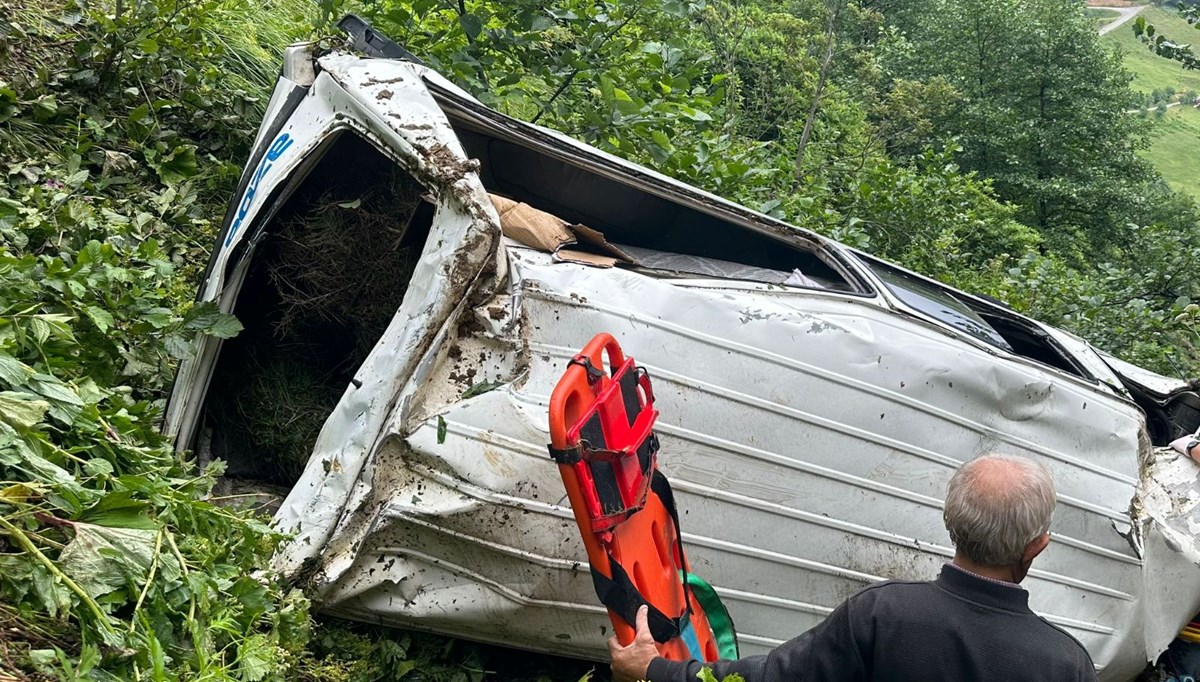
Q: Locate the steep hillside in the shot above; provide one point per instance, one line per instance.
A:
(1175, 138)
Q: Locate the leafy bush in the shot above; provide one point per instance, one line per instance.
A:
(112, 554)
(121, 129)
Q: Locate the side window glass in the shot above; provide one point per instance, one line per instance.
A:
(937, 303)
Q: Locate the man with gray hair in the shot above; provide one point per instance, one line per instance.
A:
(972, 623)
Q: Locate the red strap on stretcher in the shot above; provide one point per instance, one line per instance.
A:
(611, 444)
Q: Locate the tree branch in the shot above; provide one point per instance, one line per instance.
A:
(26, 544)
(575, 72)
(830, 42)
(462, 12)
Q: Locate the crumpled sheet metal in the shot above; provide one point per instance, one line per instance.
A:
(1166, 512)
(809, 436)
(461, 242)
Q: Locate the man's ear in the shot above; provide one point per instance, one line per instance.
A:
(1035, 547)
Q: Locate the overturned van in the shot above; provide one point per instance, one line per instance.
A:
(414, 270)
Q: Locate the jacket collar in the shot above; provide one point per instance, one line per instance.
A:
(986, 591)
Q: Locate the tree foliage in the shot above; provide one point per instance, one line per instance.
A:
(1166, 47)
(1040, 115)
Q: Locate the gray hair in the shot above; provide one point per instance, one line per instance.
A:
(996, 505)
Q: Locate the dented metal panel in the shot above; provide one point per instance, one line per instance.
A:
(809, 438)
(1156, 384)
(809, 434)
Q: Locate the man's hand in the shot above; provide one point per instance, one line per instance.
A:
(629, 663)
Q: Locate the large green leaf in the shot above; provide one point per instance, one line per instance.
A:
(256, 658)
(99, 317)
(13, 372)
(225, 327)
(206, 317)
(178, 165)
(471, 25)
(65, 403)
(21, 410)
(102, 559)
(118, 510)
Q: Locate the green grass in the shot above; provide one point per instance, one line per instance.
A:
(1175, 140)
(1175, 151)
(1102, 16)
(1151, 72)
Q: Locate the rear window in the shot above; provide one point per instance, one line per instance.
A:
(990, 322)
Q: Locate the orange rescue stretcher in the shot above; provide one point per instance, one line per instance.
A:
(601, 430)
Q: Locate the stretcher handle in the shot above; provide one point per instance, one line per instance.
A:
(575, 392)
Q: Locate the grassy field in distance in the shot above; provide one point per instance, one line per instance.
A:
(1175, 140)
(1151, 72)
(1175, 150)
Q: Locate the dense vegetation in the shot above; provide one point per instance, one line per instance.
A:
(980, 144)
(116, 149)
(122, 131)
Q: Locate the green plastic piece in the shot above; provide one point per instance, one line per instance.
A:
(718, 616)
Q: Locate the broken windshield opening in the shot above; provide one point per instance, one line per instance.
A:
(1031, 342)
(325, 279)
(1172, 405)
(674, 236)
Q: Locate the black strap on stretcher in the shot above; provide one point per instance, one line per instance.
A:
(622, 597)
(592, 444)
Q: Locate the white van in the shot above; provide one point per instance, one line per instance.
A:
(814, 400)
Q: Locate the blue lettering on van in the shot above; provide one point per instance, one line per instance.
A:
(276, 150)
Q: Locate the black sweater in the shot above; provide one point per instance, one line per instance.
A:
(958, 628)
